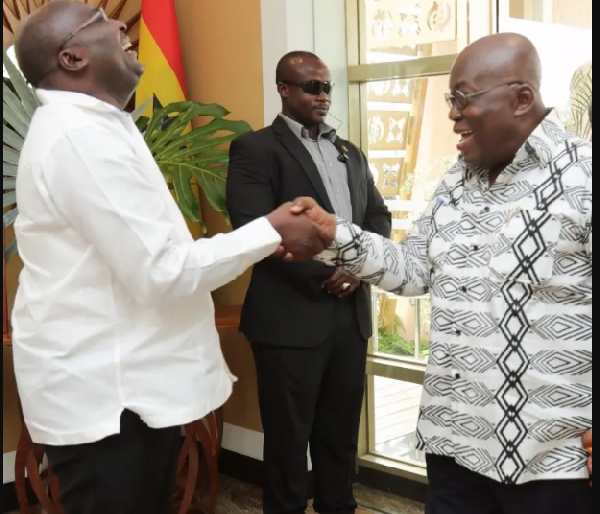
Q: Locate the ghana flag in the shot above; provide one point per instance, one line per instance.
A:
(160, 52)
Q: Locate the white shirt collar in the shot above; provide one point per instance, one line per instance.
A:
(48, 97)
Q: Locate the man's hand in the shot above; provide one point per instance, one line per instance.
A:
(301, 237)
(586, 441)
(341, 283)
(315, 212)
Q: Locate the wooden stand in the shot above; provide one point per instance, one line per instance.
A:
(197, 469)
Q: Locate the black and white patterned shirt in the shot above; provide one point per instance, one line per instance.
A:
(508, 387)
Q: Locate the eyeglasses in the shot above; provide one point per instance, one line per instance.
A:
(460, 100)
(313, 87)
(99, 15)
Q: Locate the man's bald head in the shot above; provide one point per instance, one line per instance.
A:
(290, 62)
(41, 34)
(499, 58)
(495, 99)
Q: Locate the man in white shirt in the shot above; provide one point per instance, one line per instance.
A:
(115, 344)
(505, 248)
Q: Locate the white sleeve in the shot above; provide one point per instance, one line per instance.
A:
(102, 191)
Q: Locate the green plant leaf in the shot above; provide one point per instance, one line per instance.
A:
(138, 111)
(10, 155)
(186, 199)
(12, 118)
(177, 150)
(25, 93)
(10, 250)
(17, 110)
(213, 187)
(11, 138)
(10, 216)
(182, 153)
(9, 169)
(217, 125)
(142, 123)
(214, 157)
(9, 199)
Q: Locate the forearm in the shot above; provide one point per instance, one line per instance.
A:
(394, 267)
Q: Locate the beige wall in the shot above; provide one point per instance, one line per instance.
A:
(222, 52)
(577, 13)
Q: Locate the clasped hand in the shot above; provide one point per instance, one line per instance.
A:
(305, 229)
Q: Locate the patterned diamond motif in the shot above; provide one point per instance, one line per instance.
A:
(557, 461)
(473, 393)
(440, 355)
(546, 431)
(572, 265)
(577, 327)
(576, 295)
(475, 360)
(563, 395)
(440, 416)
(475, 459)
(476, 427)
(437, 385)
(575, 362)
(475, 324)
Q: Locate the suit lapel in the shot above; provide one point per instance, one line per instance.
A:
(352, 168)
(299, 152)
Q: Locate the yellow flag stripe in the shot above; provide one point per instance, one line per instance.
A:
(158, 78)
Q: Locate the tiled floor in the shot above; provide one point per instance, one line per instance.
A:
(239, 498)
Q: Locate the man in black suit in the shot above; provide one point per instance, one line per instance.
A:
(308, 323)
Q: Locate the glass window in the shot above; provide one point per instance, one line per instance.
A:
(410, 143)
(395, 413)
(561, 30)
(397, 30)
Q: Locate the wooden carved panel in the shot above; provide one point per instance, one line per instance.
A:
(13, 11)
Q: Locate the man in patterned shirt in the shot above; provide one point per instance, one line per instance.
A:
(505, 248)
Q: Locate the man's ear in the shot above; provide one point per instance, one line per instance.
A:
(525, 96)
(282, 89)
(73, 59)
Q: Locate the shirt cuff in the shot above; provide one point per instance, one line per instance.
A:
(262, 229)
(341, 249)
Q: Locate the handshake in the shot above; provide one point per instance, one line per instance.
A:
(305, 229)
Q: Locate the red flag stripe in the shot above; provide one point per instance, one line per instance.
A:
(161, 20)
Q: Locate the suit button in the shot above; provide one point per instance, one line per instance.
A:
(463, 289)
(458, 333)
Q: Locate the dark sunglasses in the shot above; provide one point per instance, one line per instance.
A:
(460, 100)
(312, 87)
(99, 15)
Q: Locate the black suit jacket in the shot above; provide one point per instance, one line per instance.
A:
(285, 303)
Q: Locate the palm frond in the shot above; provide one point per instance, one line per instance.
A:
(581, 97)
(18, 105)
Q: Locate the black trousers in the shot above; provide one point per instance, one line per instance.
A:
(454, 489)
(127, 473)
(312, 395)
